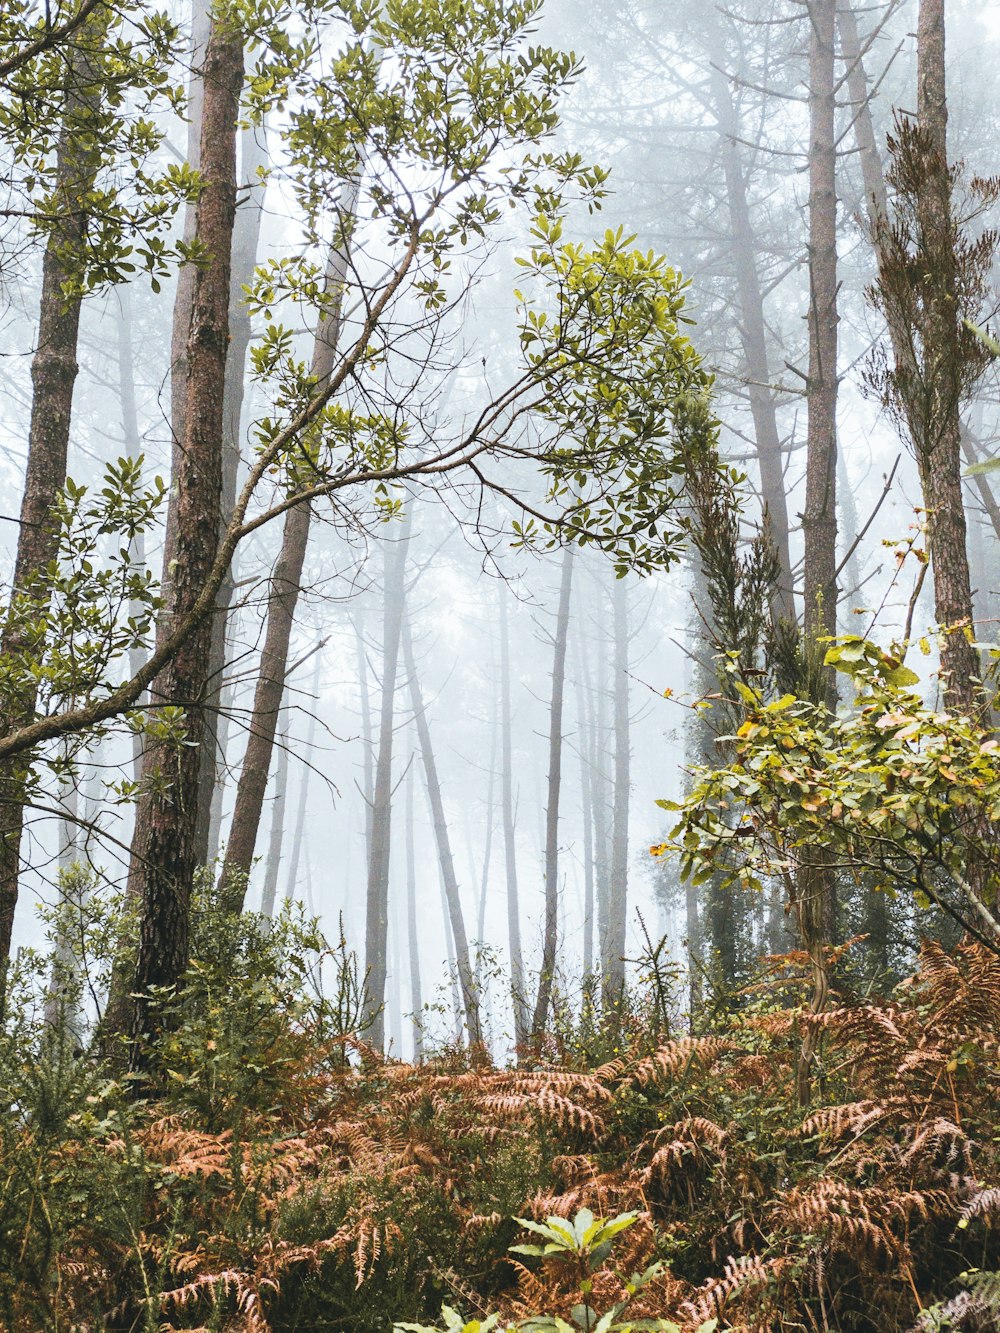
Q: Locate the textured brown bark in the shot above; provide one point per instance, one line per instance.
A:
(283, 596)
(163, 843)
(509, 832)
(53, 376)
(819, 520)
(449, 880)
(377, 897)
(180, 330)
(215, 731)
(550, 933)
(614, 943)
(816, 888)
(939, 452)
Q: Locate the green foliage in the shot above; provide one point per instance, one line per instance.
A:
(895, 787)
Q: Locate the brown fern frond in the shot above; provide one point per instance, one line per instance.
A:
(677, 1056)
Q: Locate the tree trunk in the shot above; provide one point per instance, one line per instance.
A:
(163, 853)
(215, 730)
(521, 1030)
(939, 453)
(416, 996)
(277, 827)
(283, 596)
(587, 809)
(819, 521)
(551, 927)
(752, 322)
(133, 447)
(300, 817)
(614, 944)
(377, 899)
(449, 880)
(53, 376)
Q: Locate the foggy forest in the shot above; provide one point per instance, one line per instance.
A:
(499, 752)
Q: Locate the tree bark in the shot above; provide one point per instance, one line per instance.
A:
(276, 839)
(551, 927)
(449, 880)
(54, 370)
(521, 1028)
(939, 454)
(283, 596)
(163, 852)
(246, 237)
(819, 520)
(753, 333)
(416, 996)
(614, 944)
(377, 899)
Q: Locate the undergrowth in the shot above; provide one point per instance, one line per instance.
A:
(284, 1177)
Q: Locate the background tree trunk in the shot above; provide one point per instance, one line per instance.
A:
(551, 927)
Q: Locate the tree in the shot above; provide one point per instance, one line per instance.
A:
(550, 930)
(932, 274)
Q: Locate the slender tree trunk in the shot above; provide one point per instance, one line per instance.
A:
(614, 956)
(133, 447)
(300, 817)
(449, 880)
(246, 237)
(551, 928)
(416, 996)
(815, 891)
(521, 1030)
(367, 736)
(377, 899)
(587, 808)
(277, 827)
(819, 521)
(54, 370)
(752, 322)
(283, 596)
(484, 881)
(163, 852)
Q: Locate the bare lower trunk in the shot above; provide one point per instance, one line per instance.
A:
(819, 521)
(614, 943)
(416, 996)
(377, 898)
(449, 880)
(306, 756)
(163, 852)
(509, 833)
(551, 926)
(53, 377)
(276, 839)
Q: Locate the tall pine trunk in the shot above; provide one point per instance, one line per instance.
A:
(550, 930)
(163, 845)
(521, 1028)
(614, 943)
(377, 899)
(449, 880)
(54, 370)
(283, 596)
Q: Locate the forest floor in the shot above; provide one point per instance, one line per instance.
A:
(286, 1180)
